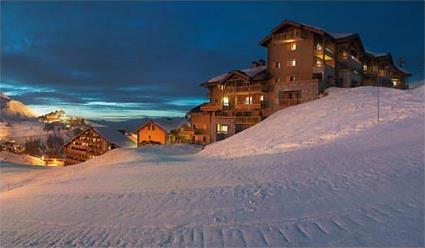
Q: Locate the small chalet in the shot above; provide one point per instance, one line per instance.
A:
(182, 134)
(93, 142)
(163, 131)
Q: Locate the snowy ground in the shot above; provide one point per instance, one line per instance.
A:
(362, 187)
(25, 159)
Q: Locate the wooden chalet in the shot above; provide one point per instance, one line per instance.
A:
(93, 142)
(162, 131)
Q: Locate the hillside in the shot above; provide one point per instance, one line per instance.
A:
(343, 181)
(343, 113)
(13, 110)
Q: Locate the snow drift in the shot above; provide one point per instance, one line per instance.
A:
(342, 113)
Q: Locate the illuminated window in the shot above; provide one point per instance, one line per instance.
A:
(225, 101)
(277, 65)
(292, 78)
(364, 67)
(291, 63)
(248, 100)
(395, 82)
(261, 98)
(277, 80)
(319, 63)
(221, 87)
(344, 54)
(319, 47)
(222, 128)
(293, 46)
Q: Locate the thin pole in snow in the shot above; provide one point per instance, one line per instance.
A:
(377, 96)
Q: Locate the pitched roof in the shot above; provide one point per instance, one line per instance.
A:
(111, 135)
(403, 70)
(114, 137)
(342, 35)
(376, 55)
(249, 72)
(166, 124)
(318, 30)
(196, 109)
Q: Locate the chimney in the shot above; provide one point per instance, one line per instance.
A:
(261, 62)
(254, 64)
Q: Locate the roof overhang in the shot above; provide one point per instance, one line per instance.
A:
(319, 31)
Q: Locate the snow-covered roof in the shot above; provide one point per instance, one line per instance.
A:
(250, 72)
(167, 124)
(402, 70)
(114, 137)
(341, 35)
(377, 54)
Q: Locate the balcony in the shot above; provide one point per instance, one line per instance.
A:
(287, 37)
(247, 119)
(201, 132)
(210, 107)
(289, 102)
(245, 106)
(351, 61)
(257, 88)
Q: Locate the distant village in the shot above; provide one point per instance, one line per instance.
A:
(302, 62)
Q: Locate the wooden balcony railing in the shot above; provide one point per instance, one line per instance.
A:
(289, 102)
(291, 36)
(247, 119)
(245, 88)
(242, 105)
(211, 107)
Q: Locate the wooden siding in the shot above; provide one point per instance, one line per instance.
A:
(151, 132)
(85, 146)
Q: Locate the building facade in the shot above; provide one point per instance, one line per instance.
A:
(302, 61)
(160, 132)
(151, 133)
(93, 142)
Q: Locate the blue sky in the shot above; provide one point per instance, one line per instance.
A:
(114, 60)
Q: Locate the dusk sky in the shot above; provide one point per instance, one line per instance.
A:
(114, 60)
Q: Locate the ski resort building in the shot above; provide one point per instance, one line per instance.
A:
(164, 132)
(151, 133)
(93, 142)
(302, 61)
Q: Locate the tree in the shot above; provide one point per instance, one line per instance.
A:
(33, 147)
(54, 144)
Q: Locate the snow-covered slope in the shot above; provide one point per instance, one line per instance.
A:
(363, 187)
(20, 159)
(342, 113)
(12, 110)
(17, 121)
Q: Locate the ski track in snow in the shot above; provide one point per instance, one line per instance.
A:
(364, 189)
